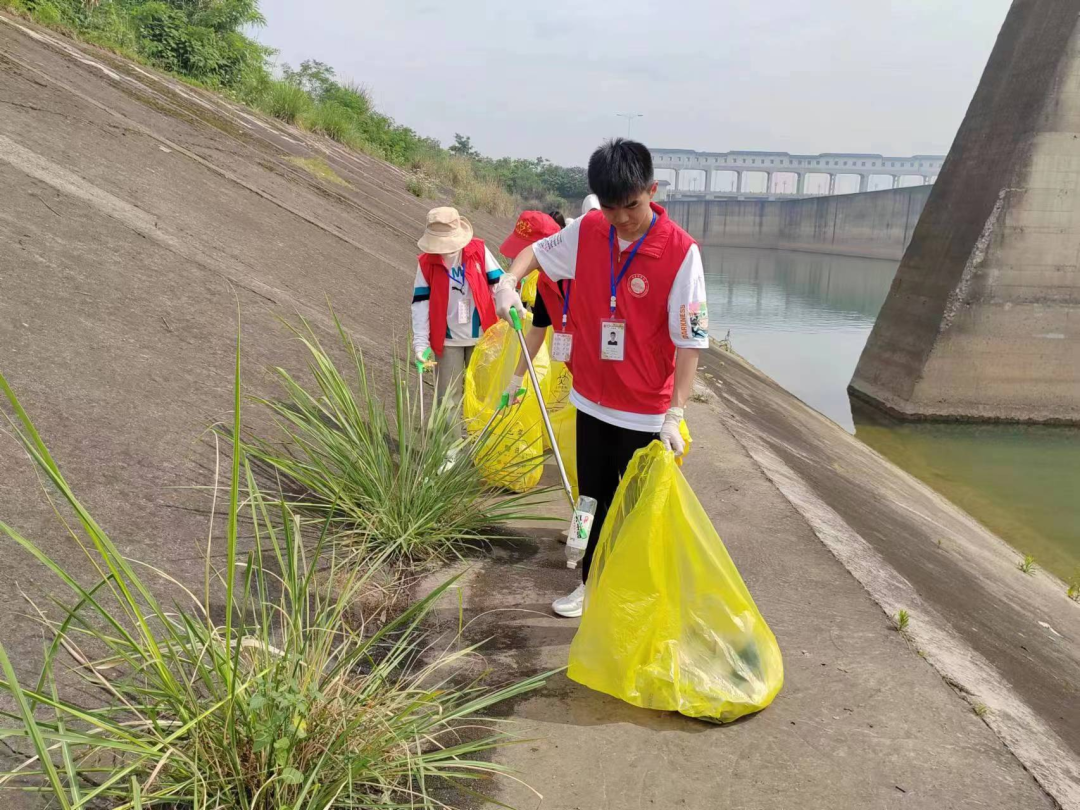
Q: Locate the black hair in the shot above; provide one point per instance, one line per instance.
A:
(560, 220)
(620, 169)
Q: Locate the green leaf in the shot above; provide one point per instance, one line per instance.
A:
(291, 776)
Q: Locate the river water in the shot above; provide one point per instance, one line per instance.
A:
(803, 319)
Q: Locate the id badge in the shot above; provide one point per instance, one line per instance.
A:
(463, 311)
(612, 340)
(561, 344)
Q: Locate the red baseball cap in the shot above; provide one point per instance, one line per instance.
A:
(532, 226)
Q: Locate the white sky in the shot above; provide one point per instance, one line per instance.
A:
(527, 79)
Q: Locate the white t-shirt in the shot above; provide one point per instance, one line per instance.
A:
(688, 313)
(462, 318)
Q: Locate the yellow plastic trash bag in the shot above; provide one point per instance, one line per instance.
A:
(564, 425)
(529, 289)
(668, 622)
(684, 431)
(511, 454)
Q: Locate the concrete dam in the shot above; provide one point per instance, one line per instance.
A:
(875, 225)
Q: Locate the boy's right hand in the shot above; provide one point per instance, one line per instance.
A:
(507, 298)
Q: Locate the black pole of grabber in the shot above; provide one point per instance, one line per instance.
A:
(516, 324)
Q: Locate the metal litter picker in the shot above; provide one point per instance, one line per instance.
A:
(515, 322)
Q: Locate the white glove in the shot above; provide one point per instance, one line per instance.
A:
(516, 383)
(507, 298)
(425, 359)
(669, 433)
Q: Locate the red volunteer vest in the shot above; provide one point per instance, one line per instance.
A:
(553, 302)
(643, 381)
(438, 281)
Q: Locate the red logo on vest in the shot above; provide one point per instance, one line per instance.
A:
(639, 285)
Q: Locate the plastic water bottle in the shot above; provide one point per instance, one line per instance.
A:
(580, 527)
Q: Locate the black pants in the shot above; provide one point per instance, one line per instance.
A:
(603, 453)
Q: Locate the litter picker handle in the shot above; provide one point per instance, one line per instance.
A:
(515, 321)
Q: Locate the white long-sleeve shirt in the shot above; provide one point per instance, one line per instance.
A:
(462, 319)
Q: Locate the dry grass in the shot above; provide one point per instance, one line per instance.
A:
(317, 167)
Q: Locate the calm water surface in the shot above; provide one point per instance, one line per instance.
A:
(804, 318)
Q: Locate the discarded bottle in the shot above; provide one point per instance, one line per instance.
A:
(580, 528)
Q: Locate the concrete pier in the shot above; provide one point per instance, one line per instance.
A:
(983, 319)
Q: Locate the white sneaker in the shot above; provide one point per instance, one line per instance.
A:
(570, 606)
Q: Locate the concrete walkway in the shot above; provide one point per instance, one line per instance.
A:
(864, 720)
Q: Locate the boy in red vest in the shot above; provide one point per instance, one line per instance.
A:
(452, 304)
(638, 319)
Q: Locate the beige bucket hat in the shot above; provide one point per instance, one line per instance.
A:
(447, 231)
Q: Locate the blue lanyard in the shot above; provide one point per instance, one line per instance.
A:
(611, 256)
(565, 303)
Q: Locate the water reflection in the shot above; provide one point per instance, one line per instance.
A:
(804, 318)
(1021, 481)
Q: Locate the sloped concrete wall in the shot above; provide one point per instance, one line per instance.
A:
(877, 224)
(983, 318)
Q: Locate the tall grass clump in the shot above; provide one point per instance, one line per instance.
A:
(380, 479)
(332, 120)
(285, 101)
(268, 701)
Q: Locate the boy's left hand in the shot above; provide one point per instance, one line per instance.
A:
(669, 433)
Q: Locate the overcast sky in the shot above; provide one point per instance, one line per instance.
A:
(533, 78)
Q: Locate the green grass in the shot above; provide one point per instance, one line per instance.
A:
(376, 474)
(285, 101)
(317, 167)
(1073, 590)
(980, 709)
(902, 620)
(332, 120)
(1027, 566)
(267, 700)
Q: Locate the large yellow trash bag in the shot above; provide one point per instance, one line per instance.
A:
(528, 288)
(668, 621)
(564, 425)
(511, 454)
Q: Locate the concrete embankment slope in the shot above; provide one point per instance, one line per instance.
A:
(876, 225)
(135, 214)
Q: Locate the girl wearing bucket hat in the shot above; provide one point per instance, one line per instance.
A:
(452, 303)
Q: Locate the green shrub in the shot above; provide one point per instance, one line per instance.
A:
(267, 701)
(47, 14)
(379, 480)
(285, 101)
(351, 96)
